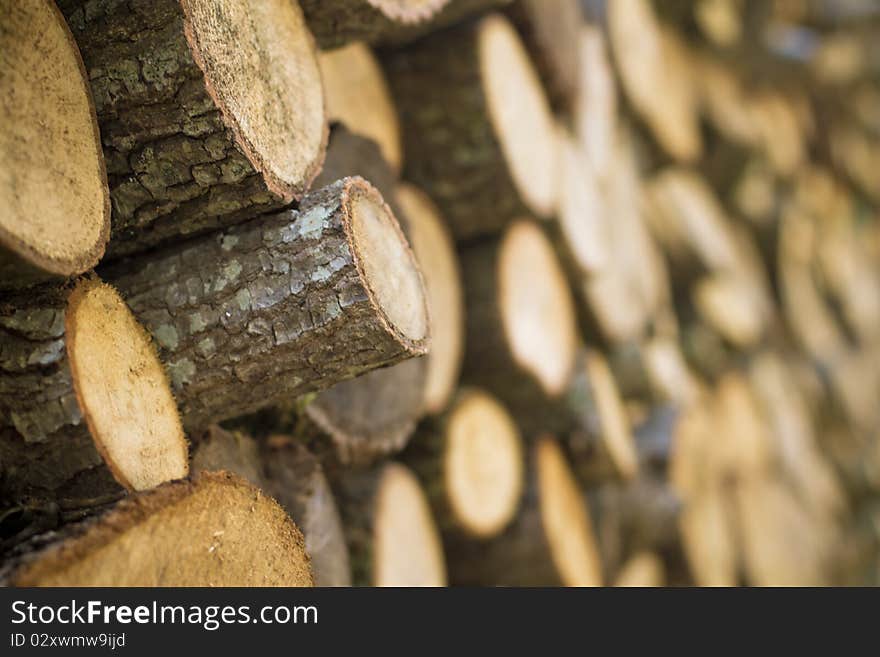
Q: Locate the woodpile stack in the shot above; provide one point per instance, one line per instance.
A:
(439, 292)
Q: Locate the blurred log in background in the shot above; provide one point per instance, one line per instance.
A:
(494, 292)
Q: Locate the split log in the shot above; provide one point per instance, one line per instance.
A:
(521, 334)
(435, 253)
(358, 96)
(289, 473)
(85, 404)
(657, 76)
(493, 157)
(392, 537)
(209, 113)
(470, 462)
(53, 185)
(551, 32)
(550, 543)
(213, 530)
(342, 21)
(281, 306)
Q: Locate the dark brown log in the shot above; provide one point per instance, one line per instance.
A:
(85, 404)
(338, 22)
(284, 305)
(53, 185)
(550, 543)
(470, 461)
(492, 157)
(289, 473)
(212, 530)
(181, 93)
(551, 30)
(392, 537)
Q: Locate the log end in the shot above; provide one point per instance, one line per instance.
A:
(122, 389)
(565, 518)
(483, 464)
(436, 255)
(408, 11)
(387, 266)
(407, 550)
(213, 530)
(53, 183)
(261, 68)
(537, 307)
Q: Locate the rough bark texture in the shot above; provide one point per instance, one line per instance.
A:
(50, 465)
(349, 154)
(451, 149)
(337, 22)
(356, 495)
(173, 164)
(551, 30)
(263, 312)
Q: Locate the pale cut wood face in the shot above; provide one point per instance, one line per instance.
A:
(261, 69)
(565, 518)
(537, 308)
(388, 265)
(53, 188)
(408, 10)
(436, 255)
(483, 464)
(216, 530)
(407, 547)
(122, 390)
(520, 114)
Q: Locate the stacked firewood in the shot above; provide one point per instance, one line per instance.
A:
(543, 292)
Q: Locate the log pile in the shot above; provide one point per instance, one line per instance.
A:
(439, 292)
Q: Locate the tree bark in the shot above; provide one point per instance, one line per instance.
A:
(212, 530)
(188, 149)
(64, 446)
(458, 157)
(276, 308)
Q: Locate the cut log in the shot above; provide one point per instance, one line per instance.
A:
(435, 253)
(393, 540)
(85, 404)
(596, 111)
(551, 32)
(289, 473)
(657, 76)
(213, 530)
(373, 415)
(470, 461)
(53, 185)
(342, 21)
(493, 158)
(452, 13)
(210, 113)
(281, 306)
(296, 479)
(550, 543)
(358, 96)
(642, 570)
(521, 341)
